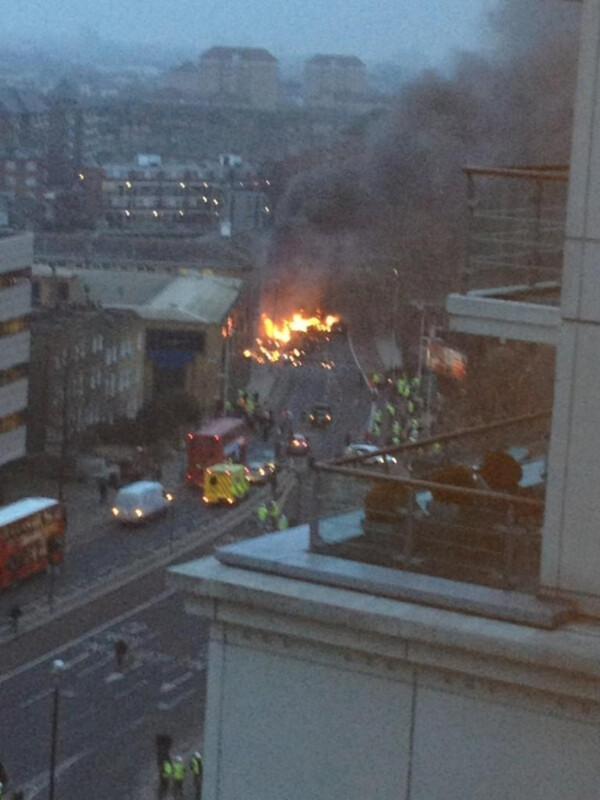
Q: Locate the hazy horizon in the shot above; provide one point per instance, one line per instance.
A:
(424, 30)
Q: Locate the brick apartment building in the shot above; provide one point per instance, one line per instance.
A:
(243, 77)
(331, 80)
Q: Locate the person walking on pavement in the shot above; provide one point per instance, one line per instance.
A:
(197, 768)
(15, 615)
(178, 776)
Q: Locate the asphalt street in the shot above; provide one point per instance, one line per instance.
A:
(108, 721)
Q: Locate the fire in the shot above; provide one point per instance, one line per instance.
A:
(298, 323)
(282, 340)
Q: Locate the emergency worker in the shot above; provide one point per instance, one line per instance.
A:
(178, 776)
(391, 409)
(197, 768)
(166, 774)
(262, 513)
(377, 417)
(273, 511)
(282, 522)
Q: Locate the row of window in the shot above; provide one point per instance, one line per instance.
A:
(10, 180)
(12, 326)
(12, 374)
(79, 350)
(11, 166)
(113, 383)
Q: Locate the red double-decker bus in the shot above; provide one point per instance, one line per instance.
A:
(32, 536)
(220, 440)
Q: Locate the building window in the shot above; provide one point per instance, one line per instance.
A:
(13, 374)
(31, 166)
(30, 182)
(9, 279)
(10, 166)
(13, 326)
(12, 422)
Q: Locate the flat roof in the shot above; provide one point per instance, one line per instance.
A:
(24, 508)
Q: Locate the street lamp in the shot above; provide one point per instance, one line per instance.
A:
(58, 669)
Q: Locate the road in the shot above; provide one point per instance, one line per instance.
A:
(108, 720)
(104, 552)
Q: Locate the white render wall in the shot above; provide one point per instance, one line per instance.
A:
(325, 693)
(16, 253)
(571, 541)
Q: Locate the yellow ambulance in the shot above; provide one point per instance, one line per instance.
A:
(225, 483)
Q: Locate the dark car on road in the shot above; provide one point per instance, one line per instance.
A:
(298, 445)
(320, 415)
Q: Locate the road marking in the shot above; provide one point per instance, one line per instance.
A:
(162, 706)
(131, 689)
(114, 676)
(74, 642)
(36, 698)
(37, 784)
(170, 685)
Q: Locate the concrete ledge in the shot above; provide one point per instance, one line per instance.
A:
(485, 315)
(286, 554)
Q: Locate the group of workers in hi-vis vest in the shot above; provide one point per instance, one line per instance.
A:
(172, 774)
(398, 415)
(270, 517)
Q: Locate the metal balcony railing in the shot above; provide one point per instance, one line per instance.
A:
(402, 512)
(515, 228)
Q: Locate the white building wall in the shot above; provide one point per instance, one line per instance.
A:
(12, 445)
(325, 693)
(16, 253)
(14, 349)
(571, 541)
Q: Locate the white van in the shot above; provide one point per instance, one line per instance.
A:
(140, 501)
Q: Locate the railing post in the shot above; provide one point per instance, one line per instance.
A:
(509, 548)
(409, 531)
(314, 536)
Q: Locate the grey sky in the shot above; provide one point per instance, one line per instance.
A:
(375, 30)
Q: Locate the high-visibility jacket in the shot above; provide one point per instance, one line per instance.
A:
(395, 440)
(391, 409)
(196, 765)
(282, 523)
(250, 405)
(377, 416)
(376, 430)
(178, 771)
(273, 509)
(437, 447)
(262, 512)
(396, 428)
(376, 378)
(410, 407)
(167, 770)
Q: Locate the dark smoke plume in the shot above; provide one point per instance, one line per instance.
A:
(400, 204)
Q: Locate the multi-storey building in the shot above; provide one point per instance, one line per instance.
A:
(16, 258)
(331, 81)
(22, 174)
(72, 136)
(23, 119)
(87, 365)
(152, 194)
(244, 77)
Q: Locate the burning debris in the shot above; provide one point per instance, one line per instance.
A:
(290, 341)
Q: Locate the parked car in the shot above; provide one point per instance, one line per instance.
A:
(298, 445)
(364, 448)
(320, 415)
(140, 501)
(95, 468)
